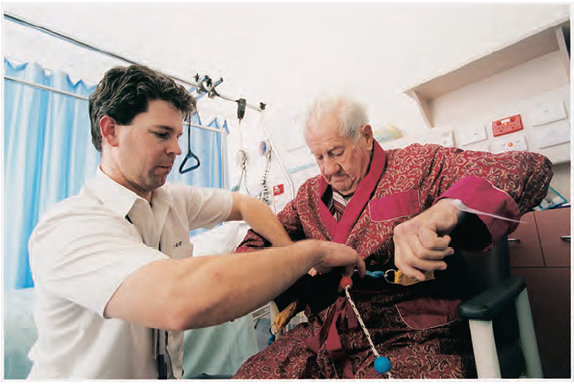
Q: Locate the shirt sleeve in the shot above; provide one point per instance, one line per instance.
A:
(204, 207)
(85, 256)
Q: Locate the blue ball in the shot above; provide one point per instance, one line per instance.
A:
(382, 364)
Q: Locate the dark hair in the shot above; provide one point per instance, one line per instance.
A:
(125, 92)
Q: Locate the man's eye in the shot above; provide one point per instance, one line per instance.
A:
(161, 135)
(338, 154)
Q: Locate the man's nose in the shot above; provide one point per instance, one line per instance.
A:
(330, 167)
(174, 147)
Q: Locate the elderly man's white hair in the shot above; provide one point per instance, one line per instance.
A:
(350, 114)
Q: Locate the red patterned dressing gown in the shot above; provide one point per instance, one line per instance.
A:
(416, 327)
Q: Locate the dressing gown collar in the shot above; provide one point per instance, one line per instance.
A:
(340, 231)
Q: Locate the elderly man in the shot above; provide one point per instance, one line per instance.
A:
(398, 210)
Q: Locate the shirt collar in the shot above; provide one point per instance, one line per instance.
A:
(113, 195)
(120, 199)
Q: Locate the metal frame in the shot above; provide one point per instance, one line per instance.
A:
(484, 345)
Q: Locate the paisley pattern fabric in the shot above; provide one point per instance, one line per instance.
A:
(416, 327)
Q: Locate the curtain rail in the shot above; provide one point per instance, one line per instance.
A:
(40, 28)
(216, 130)
(44, 87)
(56, 90)
(48, 31)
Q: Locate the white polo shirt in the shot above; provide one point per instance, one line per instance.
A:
(80, 253)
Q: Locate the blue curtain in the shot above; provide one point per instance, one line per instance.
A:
(48, 155)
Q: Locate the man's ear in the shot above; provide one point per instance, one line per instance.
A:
(108, 129)
(367, 132)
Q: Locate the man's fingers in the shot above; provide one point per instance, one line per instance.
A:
(404, 258)
(412, 265)
(431, 240)
(412, 272)
(433, 254)
(361, 267)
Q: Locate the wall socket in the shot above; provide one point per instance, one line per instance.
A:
(507, 125)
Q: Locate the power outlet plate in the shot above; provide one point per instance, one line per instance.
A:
(510, 144)
(507, 125)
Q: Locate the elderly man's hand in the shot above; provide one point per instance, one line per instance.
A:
(418, 243)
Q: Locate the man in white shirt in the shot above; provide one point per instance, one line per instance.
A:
(112, 269)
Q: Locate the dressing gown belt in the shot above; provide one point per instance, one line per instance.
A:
(339, 312)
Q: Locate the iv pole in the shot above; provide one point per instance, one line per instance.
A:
(203, 86)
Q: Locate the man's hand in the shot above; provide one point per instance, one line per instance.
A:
(335, 255)
(418, 244)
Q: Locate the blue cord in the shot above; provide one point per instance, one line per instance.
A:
(376, 274)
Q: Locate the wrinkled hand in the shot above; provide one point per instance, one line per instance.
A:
(418, 245)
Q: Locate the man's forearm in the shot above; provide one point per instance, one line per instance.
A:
(208, 290)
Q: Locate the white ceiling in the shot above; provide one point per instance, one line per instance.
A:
(281, 53)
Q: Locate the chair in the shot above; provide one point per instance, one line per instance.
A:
(499, 311)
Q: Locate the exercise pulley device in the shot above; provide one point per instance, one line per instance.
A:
(205, 86)
(190, 154)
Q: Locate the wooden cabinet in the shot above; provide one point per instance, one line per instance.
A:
(554, 229)
(524, 244)
(540, 253)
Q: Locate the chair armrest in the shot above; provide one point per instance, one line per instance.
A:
(488, 304)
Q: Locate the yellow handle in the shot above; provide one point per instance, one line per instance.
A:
(402, 279)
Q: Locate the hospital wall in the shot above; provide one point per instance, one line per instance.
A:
(368, 69)
(535, 87)
(463, 117)
(526, 90)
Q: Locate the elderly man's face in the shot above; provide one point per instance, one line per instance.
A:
(343, 163)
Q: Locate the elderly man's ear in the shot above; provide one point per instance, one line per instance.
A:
(367, 132)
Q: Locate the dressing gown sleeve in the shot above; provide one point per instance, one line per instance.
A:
(507, 184)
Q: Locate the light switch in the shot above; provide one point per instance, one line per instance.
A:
(517, 143)
(481, 146)
(548, 113)
(440, 136)
(551, 134)
(469, 135)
